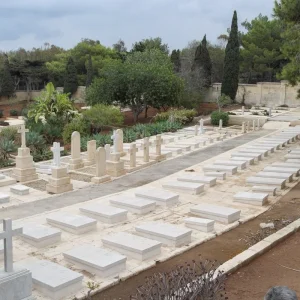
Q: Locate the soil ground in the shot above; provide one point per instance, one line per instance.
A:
(226, 246)
(271, 269)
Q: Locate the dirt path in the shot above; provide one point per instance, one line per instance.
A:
(253, 281)
(222, 248)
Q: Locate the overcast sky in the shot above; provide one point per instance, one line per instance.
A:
(31, 23)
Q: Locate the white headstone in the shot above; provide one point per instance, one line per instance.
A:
(253, 128)
(56, 149)
(243, 110)
(196, 129)
(75, 145)
(146, 149)
(132, 155)
(258, 124)
(158, 144)
(201, 126)
(91, 150)
(100, 157)
(220, 124)
(107, 151)
(22, 130)
(114, 139)
(119, 140)
(243, 127)
(7, 235)
(248, 125)
(270, 112)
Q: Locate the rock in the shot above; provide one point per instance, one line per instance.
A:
(267, 225)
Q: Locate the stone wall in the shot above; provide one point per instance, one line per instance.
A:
(270, 94)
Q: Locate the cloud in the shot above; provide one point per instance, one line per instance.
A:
(31, 23)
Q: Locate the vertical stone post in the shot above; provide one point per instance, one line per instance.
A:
(146, 149)
(107, 151)
(196, 130)
(100, 158)
(132, 155)
(243, 110)
(243, 127)
(91, 152)
(75, 161)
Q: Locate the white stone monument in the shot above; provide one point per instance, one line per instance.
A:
(146, 146)
(76, 160)
(270, 112)
(248, 126)
(201, 126)
(56, 149)
(24, 170)
(120, 142)
(91, 152)
(114, 138)
(15, 283)
(258, 124)
(158, 156)
(132, 155)
(100, 158)
(220, 124)
(253, 125)
(243, 110)
(196, 130)
(243, 127)
(107, 151)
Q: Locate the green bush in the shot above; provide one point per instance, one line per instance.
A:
(1, 114)
(78, 124)
(14, 112)
(216, 116)
(183, 116)
(9, 133)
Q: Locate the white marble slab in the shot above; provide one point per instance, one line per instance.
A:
(104, 213)
(4, 198)
(97, 261)
(72, 223)
(2, 176)
(250, 160)
(264, 188)
(191, 177)
(7, 181)
(170, 235)
(253, 180)
(220, 168)
(239, 164)
(286, 164)
(260, 146)
(218, 175)
(244, 154)
(282, 169)
(205, 225)
(176, 146)
(20, 189)
(292, 156)
(265, 174)
(218, 213)
(133, 246)
(184, 187)
(254, 151)
(251, 198)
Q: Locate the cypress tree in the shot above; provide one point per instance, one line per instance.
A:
(89, 73)
(71, 83)
(7, 84)
(202, 63)
(175, 59)
(231, 62)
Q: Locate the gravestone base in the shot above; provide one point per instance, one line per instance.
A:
(101, 179)
(75, 164)
(115, 168)
(23, 175)
(158, 158)
(16, 285)
(88, 163)
(59, 182)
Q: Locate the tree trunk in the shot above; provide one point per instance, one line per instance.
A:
(146, 111)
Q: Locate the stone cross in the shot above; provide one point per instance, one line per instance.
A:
(114, 138)
(158, 143)
(196, 129)
(220, 124)
(146, 149)
(7, 235)
(253, 125)
(56, 149)
(23, 131)
(243, 110)
(75, 145)
(201, 126)
(107, 150)
(100, 157)
(132, 155)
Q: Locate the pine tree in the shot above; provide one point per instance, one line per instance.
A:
(202, 63)
(231, 62)
(89, 73)
(175, 59)
(7, 84)
(71, 83)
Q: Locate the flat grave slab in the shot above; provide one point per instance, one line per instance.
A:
(250, 160)
(6, 181)
(282, 169)
(264, 188)
(286, 164)
(251, 198)
(2, 176)
(228, 169)
(20, 189)
(40, 236)
(292, 156)
(259, 146)
(254, 180)
(170, 235)
(218, 213)
(239, 164)
(97, 261)
(72, 223)
(275, 145)
(255, 151)
(200, 224)
(211, 181)
(295, 151)
(285, 176)
(133, 246)
(183, 147)
(133, 204)
(218, 175)
(195, 145)
(292, 160)
(244, 154)
(53, 280)
(4, 198)
(176, 151)
(160, 196)
(167, 153)
(104, 213)
(185, 187)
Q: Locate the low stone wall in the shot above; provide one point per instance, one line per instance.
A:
(238, 120)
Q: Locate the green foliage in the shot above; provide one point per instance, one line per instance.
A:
(9, 133)
(222, 101)
(71, 83)
(175, 59)
(89, 72)
(77, 124)
(150, 44)
(13, 112)
(7, 87)
(202, 64)
(7, 147)
(216, 116)
(231, 63)
(101, 115)
(182, 116)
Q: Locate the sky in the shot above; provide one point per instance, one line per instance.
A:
(31, 23)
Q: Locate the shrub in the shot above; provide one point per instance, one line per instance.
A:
(9, 133)
(231, 113)
(6, 148)
(255, 113)
(14, 112)
(283, 105)
(216, 116)
(78, 124)
(182, 116)
(1, 114)
(2, 123)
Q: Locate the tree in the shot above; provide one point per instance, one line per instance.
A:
(231, 63)
(175, 59)
(288, 11)
(120, 46)
(261, 57)
(7, 85)
(90, 72)
(149, 44)
(202, 63)
(71, 83)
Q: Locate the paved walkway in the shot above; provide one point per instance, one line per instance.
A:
(129, 181)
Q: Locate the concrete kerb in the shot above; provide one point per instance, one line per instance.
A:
(260, 248)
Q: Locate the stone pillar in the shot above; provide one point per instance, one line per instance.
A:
(248, 126)
(243, 110)
(243, 127)
(146, 149)
(253, 126)
(196, 130)
(100, 159)
(132, 155)
(258, 124)
(75, 161)
(158, 143)
(107, 151)
(270, 112)
(91, 152)
(119, 133)
(201, 126)
(59, 182)
(220, 124)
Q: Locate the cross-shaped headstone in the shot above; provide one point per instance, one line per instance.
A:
(146, 149)
(56, 149)
(158, 143)
(23, 131)
(132, 154)
(114, 139)
(7, 235)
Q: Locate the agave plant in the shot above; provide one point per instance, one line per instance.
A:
(6, 148)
